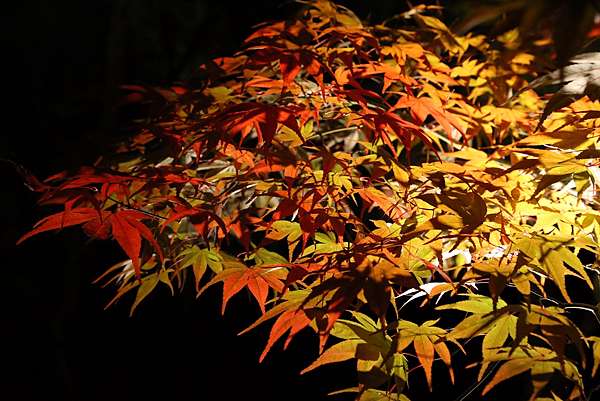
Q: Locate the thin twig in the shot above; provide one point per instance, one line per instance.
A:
(474, 387)
(136, 209)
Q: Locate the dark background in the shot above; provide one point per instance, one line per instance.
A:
(62, 64)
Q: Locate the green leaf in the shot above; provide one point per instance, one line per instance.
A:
(379, 395)
(555, 266)
(502, 328)
(507, 370)
(596, 349)
(475, 304)
(398, 366)
(146, 287)
(284, 228)
(339, 352)
(348, 330)
(263, 256)
(472, 326)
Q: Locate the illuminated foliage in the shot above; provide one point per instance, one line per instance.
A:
(341, 172)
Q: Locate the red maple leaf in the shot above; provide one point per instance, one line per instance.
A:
(422, 107)
(257, 279)
(293, 321)
(60, 220)
(242, 118)
(125, 225)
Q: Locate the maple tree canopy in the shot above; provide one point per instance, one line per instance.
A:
(344, 174)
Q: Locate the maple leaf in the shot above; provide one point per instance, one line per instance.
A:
(364, 340)
(60, 220)
(495, 326)
(200, 259)
(338, 13)
(392, 208)
(291, 63)
(293, 321)
(541, 361)
(444, 34)
(403, 51)
(391, 74)
(339, 352)
(125, 225)
(201, 219)
(286, 229)
(259, 279)
(469, 68)
(262, 117)
(422, 107)
(338, 293)
(389, 123)
(426, 340)
(580, 78)
(128, 230)
(555, 259)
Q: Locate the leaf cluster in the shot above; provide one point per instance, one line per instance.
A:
(340, 172)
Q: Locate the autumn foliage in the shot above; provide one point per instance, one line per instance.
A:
(344, 174)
